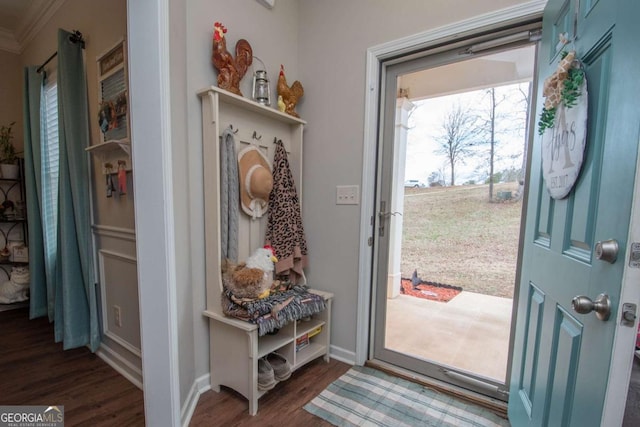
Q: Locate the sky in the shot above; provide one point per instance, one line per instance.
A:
(425, 127)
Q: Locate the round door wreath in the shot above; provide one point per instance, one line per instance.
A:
(563, 125)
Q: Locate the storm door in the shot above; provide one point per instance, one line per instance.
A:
(453, 146)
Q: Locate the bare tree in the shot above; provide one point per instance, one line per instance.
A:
(526, 97)
(494, 119)
(459, 132)
(490, 127)
(491, 122)
(492, 136)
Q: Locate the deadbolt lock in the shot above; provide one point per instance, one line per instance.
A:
(607, 250)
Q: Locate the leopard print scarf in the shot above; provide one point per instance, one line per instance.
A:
(284, 227)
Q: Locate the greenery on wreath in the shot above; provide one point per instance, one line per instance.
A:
(547, 118)
(569, 97)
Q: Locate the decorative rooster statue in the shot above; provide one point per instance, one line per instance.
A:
(290, 95)
(252, 279)
(230, 70)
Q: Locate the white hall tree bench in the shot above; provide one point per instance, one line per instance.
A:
(235, 345)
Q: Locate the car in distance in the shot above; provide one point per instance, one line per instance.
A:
(415, 183)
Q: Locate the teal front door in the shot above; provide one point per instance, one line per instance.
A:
(561, 358)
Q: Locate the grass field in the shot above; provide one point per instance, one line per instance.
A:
(453, 235)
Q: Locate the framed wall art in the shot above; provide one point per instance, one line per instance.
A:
(113, 113)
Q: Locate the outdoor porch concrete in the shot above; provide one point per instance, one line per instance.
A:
(470, 332)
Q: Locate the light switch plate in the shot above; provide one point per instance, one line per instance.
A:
(347, 195)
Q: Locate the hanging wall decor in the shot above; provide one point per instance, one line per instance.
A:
(563, 125)
(114, 142)
(113, 113)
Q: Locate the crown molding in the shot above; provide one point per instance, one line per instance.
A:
(36, 17)
(8, 42)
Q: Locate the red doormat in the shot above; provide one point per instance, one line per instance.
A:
(429, 290)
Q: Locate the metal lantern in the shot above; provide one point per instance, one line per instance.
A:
(261, 91)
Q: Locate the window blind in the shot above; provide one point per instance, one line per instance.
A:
(50, 167)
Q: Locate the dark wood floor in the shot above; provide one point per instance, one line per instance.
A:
(281, 406)
(36, 371)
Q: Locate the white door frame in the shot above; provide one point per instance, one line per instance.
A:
(623, 350)
(624, 339)
(150, 106)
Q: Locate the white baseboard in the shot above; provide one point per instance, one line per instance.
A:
(120, 364)
(342, 355)
(200, 385)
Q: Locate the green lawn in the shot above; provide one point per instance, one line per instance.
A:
(453, 235)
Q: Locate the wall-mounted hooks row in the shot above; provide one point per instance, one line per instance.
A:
(255, 135)
(110, 168)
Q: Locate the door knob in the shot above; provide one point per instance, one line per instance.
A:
(584, 305)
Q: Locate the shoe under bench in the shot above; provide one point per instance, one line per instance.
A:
(235, 348)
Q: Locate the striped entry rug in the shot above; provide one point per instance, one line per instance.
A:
(368, 397)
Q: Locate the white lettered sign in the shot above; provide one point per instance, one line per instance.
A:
(563, 146)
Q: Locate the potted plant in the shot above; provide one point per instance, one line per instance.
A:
(8, 157)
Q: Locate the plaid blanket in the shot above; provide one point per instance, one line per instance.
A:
(275, 311)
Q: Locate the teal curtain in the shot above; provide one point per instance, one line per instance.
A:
(76, 311)
(41, 292)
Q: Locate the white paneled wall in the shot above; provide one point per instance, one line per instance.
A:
(118, 283)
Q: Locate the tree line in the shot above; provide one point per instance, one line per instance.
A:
(466, 130)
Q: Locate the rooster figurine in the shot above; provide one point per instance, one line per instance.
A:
(290, 95)
(230, 70)
(252, 279)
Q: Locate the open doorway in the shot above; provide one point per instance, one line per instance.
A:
(457, 178)
(460, 231)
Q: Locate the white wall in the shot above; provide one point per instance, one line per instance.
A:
(11, 95)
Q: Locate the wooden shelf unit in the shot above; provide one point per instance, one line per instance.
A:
(235, 346)
(13, 226)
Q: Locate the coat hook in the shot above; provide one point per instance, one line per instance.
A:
(232, 130)
(256, 136)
